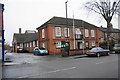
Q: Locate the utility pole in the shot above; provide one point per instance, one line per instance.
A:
(66, 17)
(73, 31)
(67, 47)
(83, 37)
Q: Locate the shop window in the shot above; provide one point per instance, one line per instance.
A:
(58, 44)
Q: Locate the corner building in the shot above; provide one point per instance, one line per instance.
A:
(83, 34)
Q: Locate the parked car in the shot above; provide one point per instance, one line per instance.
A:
(116, 48)
(20, 50)
(40, 51)
(98, 51)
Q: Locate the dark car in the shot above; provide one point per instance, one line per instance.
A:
(116, 48)
(98, 51)
(40, 51)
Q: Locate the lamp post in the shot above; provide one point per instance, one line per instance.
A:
(66, 17)
(67, 47)
(83, 36)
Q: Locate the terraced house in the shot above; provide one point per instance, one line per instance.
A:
(114, 34)
(79, 35)
(25, 41)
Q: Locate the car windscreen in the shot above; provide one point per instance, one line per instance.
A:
(41, 48)
(117, 45)
(93, 49)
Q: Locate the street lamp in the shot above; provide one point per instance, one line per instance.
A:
(67, 47)
(66, 17)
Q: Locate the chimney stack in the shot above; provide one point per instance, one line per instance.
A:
(19, 30)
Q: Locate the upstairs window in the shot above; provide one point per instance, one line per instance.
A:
(66, 32)
(92, 33)
(43, 33)
(77, 33)
(86, 33)
(58, 31)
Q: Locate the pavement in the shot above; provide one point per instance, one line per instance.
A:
(28, 58)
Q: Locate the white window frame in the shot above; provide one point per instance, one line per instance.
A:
(21, 45)
(24, 44)
(58, 44)
(87, 44)
(43, 33)
(86, 33)
(65, 32)
(43, 45)
(92, 33)
(27, 44)
(33, 43)
(30, 44)
(59, 28)
(92, 43)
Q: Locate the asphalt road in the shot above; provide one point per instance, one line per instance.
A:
(69, 67)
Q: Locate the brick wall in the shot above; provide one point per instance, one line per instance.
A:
(50, 38)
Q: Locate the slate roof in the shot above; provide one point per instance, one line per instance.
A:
(62, 21)
(26, 37)
(113, 30)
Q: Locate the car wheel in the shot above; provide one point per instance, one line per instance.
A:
(34, 53)
(108, 53)
(98, 54)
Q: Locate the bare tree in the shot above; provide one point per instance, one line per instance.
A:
(106, 9)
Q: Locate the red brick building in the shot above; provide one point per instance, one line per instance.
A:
(52, 32)
(25, 41)
(114, 34)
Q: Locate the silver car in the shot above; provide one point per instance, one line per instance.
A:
(98, 51)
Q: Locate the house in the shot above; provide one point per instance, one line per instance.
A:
(25, 41)
(78, 36)
(1, 31)
(114, 34)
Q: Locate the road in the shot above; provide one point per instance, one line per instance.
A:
(68, 67)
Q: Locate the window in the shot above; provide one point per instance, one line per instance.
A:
(21, 45)
(58, 44)
(27, 44)
(30, 44)
(33, 43)
(43, 45)
(93, 43)
(37, 43)
(43, 33)
(87, 44)
(58, 31)
(92, 33)
(86, 33)
(65, 32)
(77, 33)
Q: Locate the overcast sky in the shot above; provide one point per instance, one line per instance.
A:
(30, 14)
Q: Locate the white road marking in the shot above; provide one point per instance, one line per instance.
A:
(100, 62)
(48, 72)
